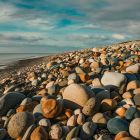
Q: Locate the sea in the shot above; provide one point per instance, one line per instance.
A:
(7, 58)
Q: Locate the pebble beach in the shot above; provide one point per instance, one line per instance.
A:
(89, 94)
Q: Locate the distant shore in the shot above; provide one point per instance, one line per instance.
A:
(30, 64)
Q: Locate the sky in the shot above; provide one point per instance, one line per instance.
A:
(48, 26)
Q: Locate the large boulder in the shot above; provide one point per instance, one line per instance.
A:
(76, 96)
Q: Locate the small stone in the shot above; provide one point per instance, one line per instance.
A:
(113, 78)
(72, 121)
(133, 68)
(19, 123)
(129, 115)
(32, 76)
(84, 77)
(136, 91)
(134, 128)
(73, 133)
(55, 132)
(137, 99)
(35, 82)
(116, 125)
(99, 119)
(96, 83)
(87, 130)
(39, 133)
(132, 85)
(121, 135)
(129, 102)
(37, 111)
(77, 111)
(80, 119)
(120, 111)
(45, 122)
(108, 104)
(79, 70)
(127, 95)
(51, 107)
(89, 107)
(68, 113)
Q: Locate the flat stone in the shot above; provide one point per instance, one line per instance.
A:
(113, 78)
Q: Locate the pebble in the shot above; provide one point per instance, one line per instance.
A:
(132, 85)
(80, 119)
(133, 68)
(39, 133)
(19, 123)
(87, 130)
(55, 132)
(45, 122)
(51, 107)
(88, 108)
(116, 125)
(121, 134)
(130, 112)
(113, 78)
(72, 121)
(73, 133)
(75, 96)
(134, 128)
(137, 99)
(9, 101)
(120, 111)
(99, 119)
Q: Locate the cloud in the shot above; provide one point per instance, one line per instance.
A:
(7, 11)
(118, 36)
(77, 23)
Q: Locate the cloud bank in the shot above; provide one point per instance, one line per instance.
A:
(68, 24)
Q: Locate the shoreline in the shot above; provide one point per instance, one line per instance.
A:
(30, 64)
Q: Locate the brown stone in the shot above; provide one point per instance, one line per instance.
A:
(127, 95)
(50, 107)
(39, 133)
(84, 77)
(121, 135)
(120, 111)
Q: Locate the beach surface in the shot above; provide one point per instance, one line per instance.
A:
(89, 94)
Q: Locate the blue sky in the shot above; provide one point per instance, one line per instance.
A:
(59, 25)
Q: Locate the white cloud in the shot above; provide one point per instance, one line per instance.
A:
(6, 12)
(118, 36)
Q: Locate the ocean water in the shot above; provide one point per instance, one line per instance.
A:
(7, 58)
